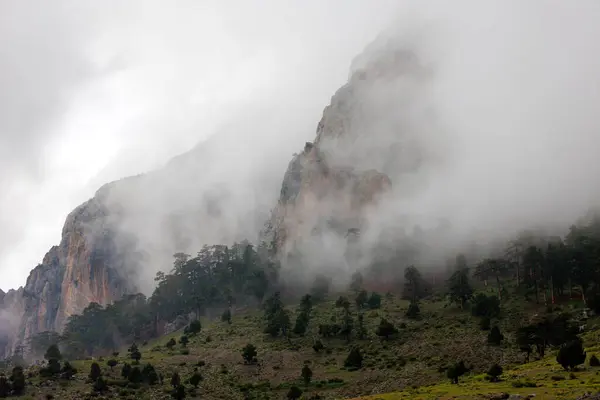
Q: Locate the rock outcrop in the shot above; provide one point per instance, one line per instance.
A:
(219, 193)
(365, 140)
(114, 243)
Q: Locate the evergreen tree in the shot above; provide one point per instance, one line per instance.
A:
(320, 288)
(184, 340)
(571, 354)
(125, 370)
(5, 387)
(495, 337)
(318, 346)
(175, 380)
(361, 299)
(171, 343)
(226, 316)
(249, 354)
(413, 311)
(459, 288)
(100, 385)
(195, 379)
(134, 353)
(356, 282)
(149, 374)
(361, 330)
(494, 372)
(386, 329)
(178, 392)
(135, 375)
(374, 301)
(194, 327)
(17, 379)
(112, 363)
(415, 287)
(294, 393)
(456, 371)
(485, 323)
(354, 359)
(95, 372)
(306, 374)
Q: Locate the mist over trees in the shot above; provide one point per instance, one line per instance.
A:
(220, 278)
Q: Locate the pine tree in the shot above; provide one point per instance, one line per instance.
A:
(495, 337)
(249, 354)
(459, 288)
(571, 354)
(134, 353)
(306, 374)
(226, 316)
(95, 372)
(354, 359)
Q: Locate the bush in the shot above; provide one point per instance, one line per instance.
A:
(522, 384)
(455, 371)
(194, 327)
(171, 343)
(249, 354)
(184, 340)
(494, 372)
(195, 379)
(294, 393)
(571, 354)
(112, 363)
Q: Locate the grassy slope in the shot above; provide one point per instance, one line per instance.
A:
(444, 335)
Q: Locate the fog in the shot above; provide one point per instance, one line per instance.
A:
(93, 92)
(492, 129)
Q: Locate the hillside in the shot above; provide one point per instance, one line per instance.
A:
(412, 363)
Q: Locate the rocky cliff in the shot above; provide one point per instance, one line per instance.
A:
(365, 140)
(115, 243)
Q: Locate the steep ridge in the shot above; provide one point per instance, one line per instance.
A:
(367, 145)
(114, 243)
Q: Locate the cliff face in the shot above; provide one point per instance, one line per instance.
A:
(115, 243)
(365, 140)
(84, 268)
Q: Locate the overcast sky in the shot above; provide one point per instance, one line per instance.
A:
(94, 91)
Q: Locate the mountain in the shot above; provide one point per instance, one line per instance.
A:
(114, 243)
(220, 192)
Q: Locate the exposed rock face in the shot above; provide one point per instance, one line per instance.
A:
(84, 268)
(114, 243)
(365, 140)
